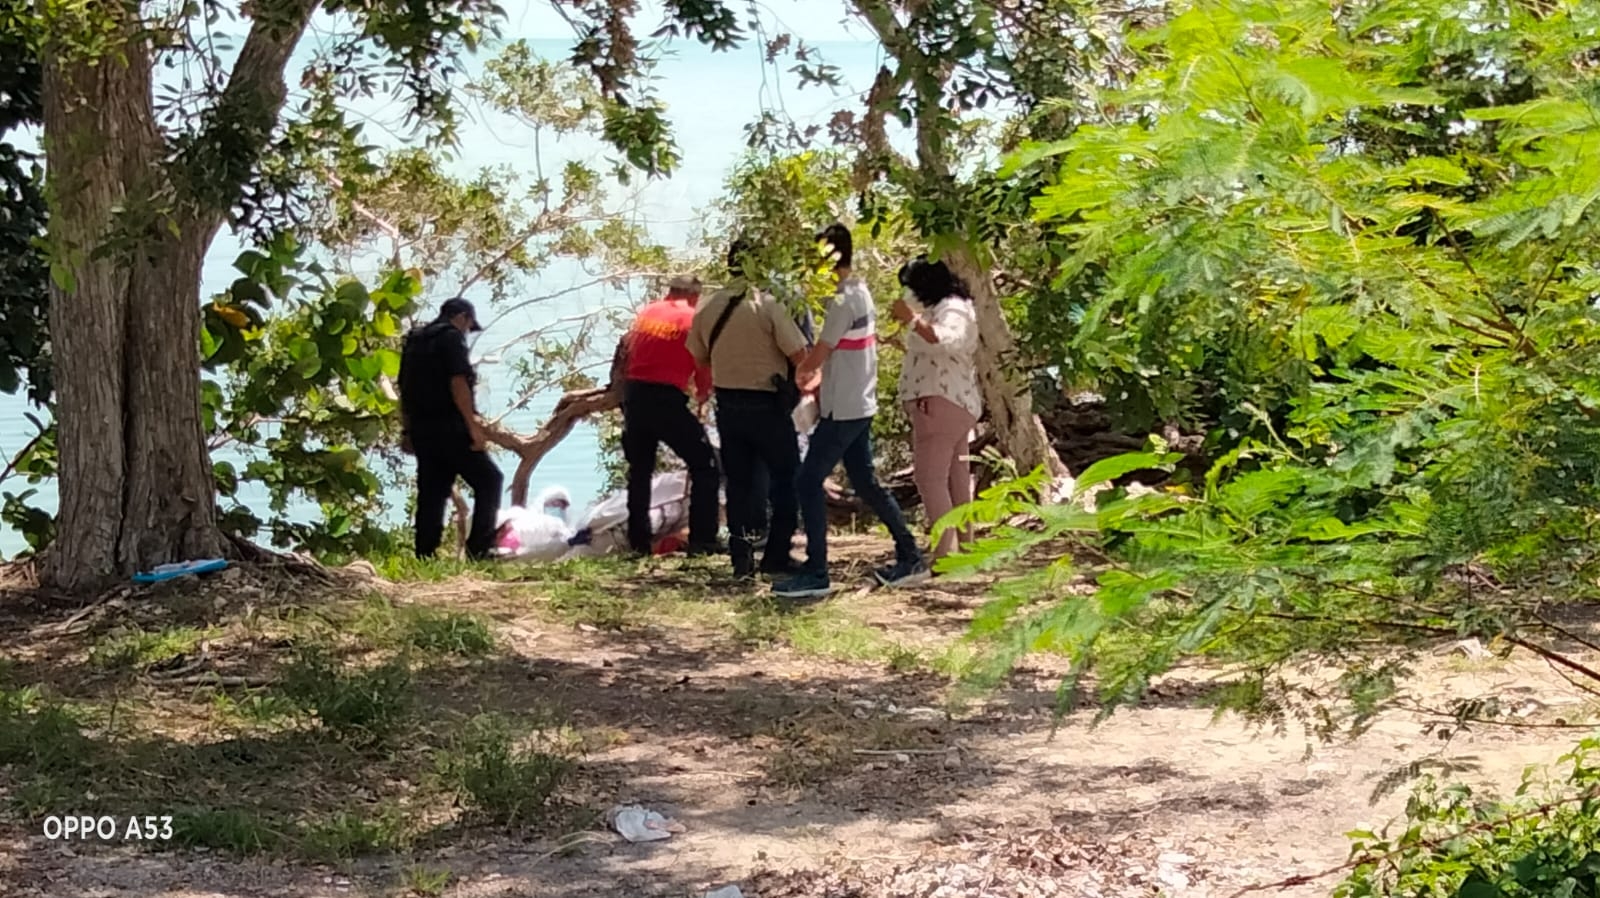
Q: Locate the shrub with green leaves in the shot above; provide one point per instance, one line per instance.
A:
(1544, 843)
(1365, 231)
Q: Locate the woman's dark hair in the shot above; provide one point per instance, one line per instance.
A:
(932, 281)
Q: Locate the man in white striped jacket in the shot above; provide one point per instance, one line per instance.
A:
(846, 351)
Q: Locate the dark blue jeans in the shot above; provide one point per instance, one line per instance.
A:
(849, 442)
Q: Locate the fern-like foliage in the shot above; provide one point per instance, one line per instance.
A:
(1366, 232)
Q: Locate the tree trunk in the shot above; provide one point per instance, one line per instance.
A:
(126, 250)
(1018, 431)
(169, 510)
(1008, 400)
(135, 485)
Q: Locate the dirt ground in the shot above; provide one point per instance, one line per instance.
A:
(799, 775)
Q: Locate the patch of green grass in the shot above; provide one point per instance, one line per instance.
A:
(830, 632)
(362, 706)
(503, 782)
(825, 630)
(956, 660)
(346, 835)
(620, 595)
(448, 633)
(410, 569)
(42, 792)
(430, 630)
(592, 573)
(255, 709)
(425, 882)
(904, 660)
(758, 622)
(601, 610)
(43, 744)
(40, 735)
(232, 830)
(133, 648)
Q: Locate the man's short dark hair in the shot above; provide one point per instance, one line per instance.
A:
(837, 236)
(738, 250)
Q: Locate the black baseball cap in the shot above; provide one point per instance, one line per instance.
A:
(459, 306)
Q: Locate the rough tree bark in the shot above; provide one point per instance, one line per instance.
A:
(1017, 430)
(136, 487)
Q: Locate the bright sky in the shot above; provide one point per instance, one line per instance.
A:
(813, 21)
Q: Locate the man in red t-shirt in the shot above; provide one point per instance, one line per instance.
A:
(658, 373)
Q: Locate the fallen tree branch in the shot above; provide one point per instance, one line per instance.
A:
(1553, 657)
(185, 670)
(220, 680)
(570, 409)
(65, 627)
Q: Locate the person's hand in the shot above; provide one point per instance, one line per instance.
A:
(902, 311)
(809, 381)
(480, 440)
(405, 443)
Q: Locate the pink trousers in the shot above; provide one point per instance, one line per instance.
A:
(941, 434)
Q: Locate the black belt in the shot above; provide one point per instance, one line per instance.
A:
(745, 395)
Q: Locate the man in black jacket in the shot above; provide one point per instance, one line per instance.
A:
(440, 425)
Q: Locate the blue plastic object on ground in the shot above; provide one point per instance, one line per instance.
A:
(179, 569)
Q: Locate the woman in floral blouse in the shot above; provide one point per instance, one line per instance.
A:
(939, 386)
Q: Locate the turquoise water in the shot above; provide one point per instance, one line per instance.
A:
(711, 97)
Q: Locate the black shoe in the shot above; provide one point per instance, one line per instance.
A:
(808, 585)
(903, 573)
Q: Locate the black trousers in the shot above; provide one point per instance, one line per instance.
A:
(438, 466)
(762, 485)
(757, 432)
(653, 414)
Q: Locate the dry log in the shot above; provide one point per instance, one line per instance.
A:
(531, 449)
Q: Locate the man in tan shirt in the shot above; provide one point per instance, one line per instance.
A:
(750, 340)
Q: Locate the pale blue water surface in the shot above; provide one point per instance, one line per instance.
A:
(711, 97)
